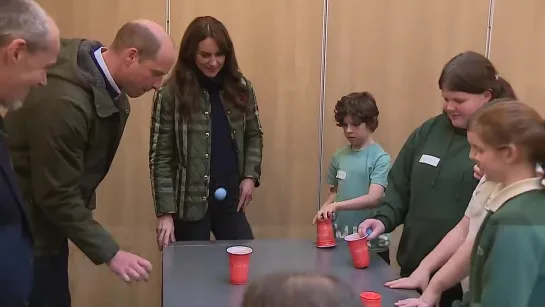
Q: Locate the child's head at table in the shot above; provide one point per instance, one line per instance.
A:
(507, 140)
(357, 113)
(299, 290)
(467, 82)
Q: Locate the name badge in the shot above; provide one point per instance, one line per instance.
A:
(430, 160)
(341, 175)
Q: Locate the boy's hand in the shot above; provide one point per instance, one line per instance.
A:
(326, 212)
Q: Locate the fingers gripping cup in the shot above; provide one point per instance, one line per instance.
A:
(325, 236)
(239, 264)
(358, 250)
(371, 299)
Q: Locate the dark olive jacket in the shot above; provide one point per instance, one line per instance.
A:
(62, 143)
(180, 169)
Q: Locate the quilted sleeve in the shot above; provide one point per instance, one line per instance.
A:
(161, 153)
(253, 139)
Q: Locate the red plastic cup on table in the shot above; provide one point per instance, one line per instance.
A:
(239, 264)
(325, 236)
(358, 250)
(371, 299)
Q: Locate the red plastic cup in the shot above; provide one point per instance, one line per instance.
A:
(358, 250)
(325, 236)
(239, 264)
(371, 299)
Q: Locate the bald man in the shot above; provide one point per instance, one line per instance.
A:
(63, 141)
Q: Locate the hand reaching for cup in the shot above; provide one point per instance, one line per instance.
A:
(325, 213)
(376, 226)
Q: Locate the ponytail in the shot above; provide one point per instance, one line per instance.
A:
(473, 73)
(502, 89)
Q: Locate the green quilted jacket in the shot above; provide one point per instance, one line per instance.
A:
(180, 171)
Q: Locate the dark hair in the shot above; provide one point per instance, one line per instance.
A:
(471, 72)
(138, 36)
(511, 122)
(184, 80)
(361, 106)
(301, 290)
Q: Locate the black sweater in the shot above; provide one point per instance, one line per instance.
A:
(223, 156)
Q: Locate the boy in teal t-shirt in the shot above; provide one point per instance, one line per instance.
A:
(358, 172)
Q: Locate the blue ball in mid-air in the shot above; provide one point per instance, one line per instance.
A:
(220, 193)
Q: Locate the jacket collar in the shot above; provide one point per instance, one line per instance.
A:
(500, 195)
(106, 106)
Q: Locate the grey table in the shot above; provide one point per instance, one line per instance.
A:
(197, 273)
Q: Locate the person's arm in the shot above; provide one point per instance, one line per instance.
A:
(446, 248)
(331, 196)
(253, 138)
(453, 272)
(326, 209)
(57, 138)
(513, 265)
(161, 153)
(395, 204)
(379, 181)
(452, 249)
(331, 178)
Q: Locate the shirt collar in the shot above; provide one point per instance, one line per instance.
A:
(501, 194)
(105, 70)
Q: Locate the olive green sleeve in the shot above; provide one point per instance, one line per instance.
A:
(395, 204)
(57, 140)
(161, 153)
(253, 139)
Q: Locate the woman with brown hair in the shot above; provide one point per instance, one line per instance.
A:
(206, 141)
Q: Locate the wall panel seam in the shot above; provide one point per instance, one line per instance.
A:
(489, 28)
(167, 16)
(323, 74)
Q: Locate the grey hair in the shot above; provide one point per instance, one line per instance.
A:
(24, 19)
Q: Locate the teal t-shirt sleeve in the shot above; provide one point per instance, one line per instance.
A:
(513, 266)
(332, 170)
(380, 170)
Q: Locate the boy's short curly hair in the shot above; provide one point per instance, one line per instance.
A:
(361, 106)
